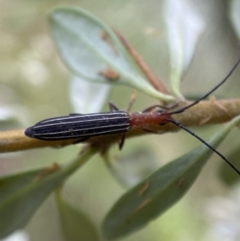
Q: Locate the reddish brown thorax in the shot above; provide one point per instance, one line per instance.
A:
(146, 119)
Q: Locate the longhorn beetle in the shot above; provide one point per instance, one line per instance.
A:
(84, 126)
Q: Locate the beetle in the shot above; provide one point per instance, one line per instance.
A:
(85, 126)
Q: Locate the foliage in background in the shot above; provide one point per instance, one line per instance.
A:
(138, 84)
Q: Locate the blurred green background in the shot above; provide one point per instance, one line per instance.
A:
(34, 84)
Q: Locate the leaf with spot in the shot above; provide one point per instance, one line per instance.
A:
(157, 193)
(91, 50)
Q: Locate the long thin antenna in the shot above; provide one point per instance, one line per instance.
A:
(209, 93)
(205, 143)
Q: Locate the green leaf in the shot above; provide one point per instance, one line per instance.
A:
(90, 48)
(184, 28)
(75, 225)
(226, 173)
(22, 194)
(159, 191)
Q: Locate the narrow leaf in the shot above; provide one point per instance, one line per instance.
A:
(159, 191)
(75, 225)
(23, 193)
(184, 26)
(92, 51)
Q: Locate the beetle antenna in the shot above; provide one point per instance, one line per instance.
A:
(205, 143)
(209, 93)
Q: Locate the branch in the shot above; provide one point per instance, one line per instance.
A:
(206, 112)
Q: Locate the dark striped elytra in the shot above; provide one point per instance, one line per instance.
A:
(80, 126)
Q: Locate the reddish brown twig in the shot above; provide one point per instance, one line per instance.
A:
(155, 82)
